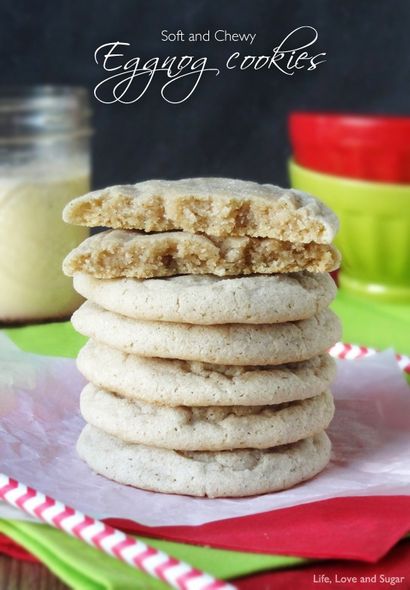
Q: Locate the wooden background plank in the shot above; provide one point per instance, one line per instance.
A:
(22, 575)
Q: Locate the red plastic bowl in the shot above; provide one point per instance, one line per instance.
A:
(368, 147)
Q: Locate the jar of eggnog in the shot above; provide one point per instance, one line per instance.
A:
(44, 162)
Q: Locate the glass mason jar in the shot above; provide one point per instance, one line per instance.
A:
(44, 162)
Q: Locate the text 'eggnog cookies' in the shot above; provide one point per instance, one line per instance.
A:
(207, 355)
(213, 206)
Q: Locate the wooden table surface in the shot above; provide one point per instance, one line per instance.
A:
(22, 575)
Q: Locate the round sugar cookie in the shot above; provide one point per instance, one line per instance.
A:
(208, 299)
(174, 382)
(204, 473)
(229, 344)
(208, 428)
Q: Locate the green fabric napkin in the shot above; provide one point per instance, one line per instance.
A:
(364, 322)
(58, 339)
(84, 568)
(377, 325)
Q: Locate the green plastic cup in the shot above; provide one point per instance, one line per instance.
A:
(374, 235)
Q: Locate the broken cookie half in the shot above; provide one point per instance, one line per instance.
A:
(215, 206)
(122, 253)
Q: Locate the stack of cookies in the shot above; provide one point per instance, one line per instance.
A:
(208, 324)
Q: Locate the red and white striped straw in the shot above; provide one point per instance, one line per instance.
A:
(158, 564)
(342, 350)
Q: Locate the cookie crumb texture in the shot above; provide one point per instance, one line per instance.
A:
(204, 473)
(120, 253)
(215, 206)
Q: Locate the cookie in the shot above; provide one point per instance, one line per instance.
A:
(237, 473)
(208, 299)
(121, 253)
(175, 382)
(209, 428)
(215, 206)
(229, 344)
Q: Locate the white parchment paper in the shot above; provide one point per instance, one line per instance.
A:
(40, 422)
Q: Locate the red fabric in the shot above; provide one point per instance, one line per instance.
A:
(362, 528)
(12, 549)
(395, 565)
